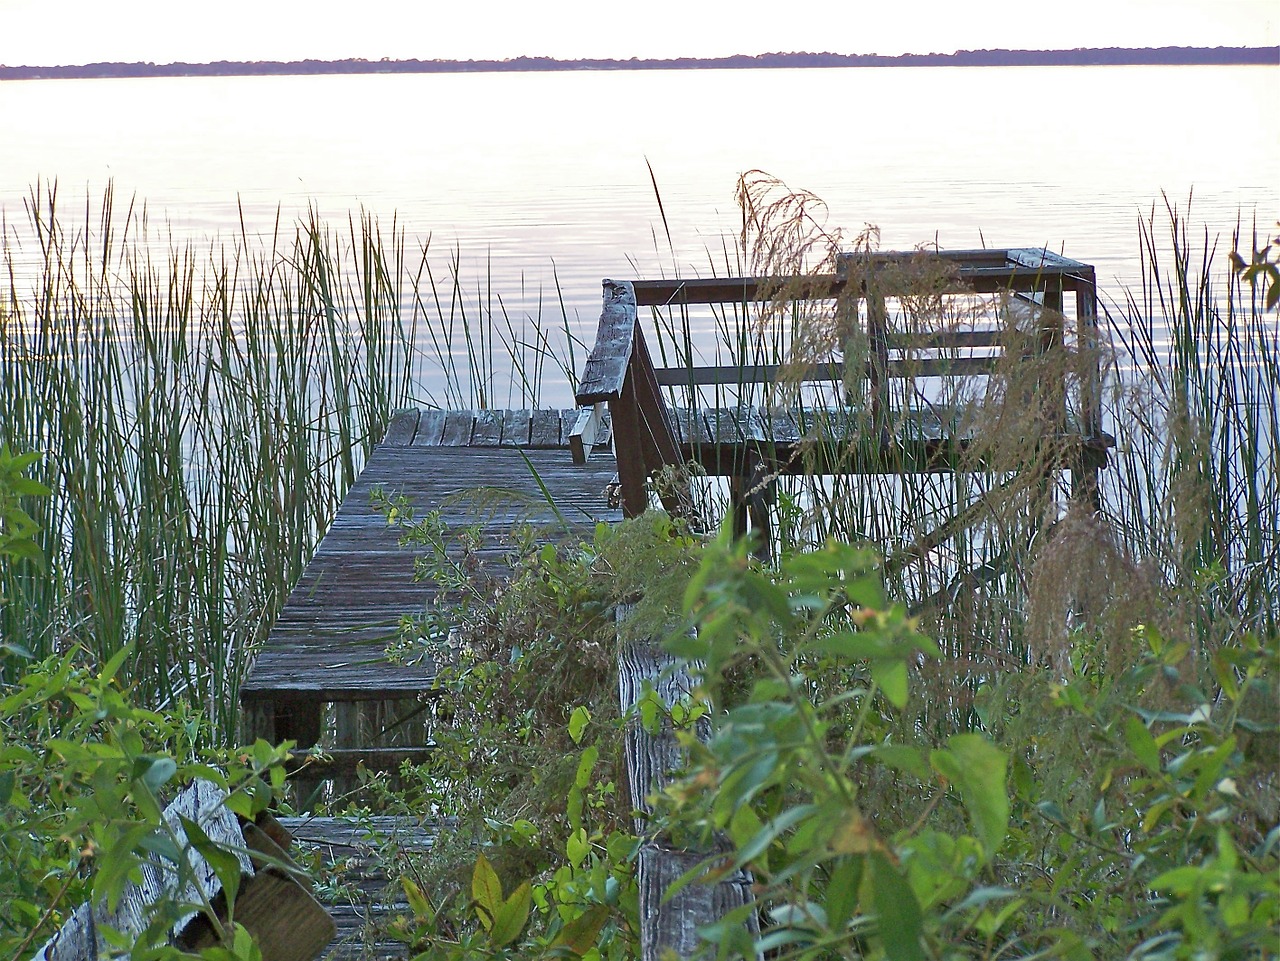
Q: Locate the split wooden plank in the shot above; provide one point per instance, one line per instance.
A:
(430, 428)
(404, 424)
(544, 429)
(516, 428)
(457, 428)
(487, 429)
(278, 911)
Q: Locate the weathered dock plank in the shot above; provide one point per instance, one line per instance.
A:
(328, 643)
(362, 900)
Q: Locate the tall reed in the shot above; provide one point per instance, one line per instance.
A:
(1195, 484)
(1006, 570)
(202, 410)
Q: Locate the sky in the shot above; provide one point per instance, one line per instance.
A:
(45, 32)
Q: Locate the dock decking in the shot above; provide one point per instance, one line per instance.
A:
(329, 643)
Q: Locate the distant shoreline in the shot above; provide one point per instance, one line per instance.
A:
(1105, 56)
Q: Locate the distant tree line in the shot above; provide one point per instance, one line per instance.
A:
(962, 58)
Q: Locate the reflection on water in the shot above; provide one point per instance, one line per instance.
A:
(539, 183)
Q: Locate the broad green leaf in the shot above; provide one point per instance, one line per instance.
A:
(578, 722)
(902, 757)
(854, 645)
(579, 935)
(899, 912)
(766, 835)
(486, 891)
(586, 764)
(417, 901)
(158, 771)
(511, 917)
(978, 770)
(842, 892)
(225, 864)
(251, 798)
(8, 779)
(117, 661)
(1142, 744)
(577, 847)
(892, 678)
(243, 943)
(744, 824)
(159, 842)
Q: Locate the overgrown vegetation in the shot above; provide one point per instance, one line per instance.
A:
(1041, 733)
(201, 413)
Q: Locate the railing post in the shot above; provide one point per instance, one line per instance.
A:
(620, 371)
(668, 925)
(1085, 470)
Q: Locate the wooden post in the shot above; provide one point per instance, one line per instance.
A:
(1084, 472)
(620, 371)
(667, 926)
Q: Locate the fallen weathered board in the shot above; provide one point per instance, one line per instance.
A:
(285, 920)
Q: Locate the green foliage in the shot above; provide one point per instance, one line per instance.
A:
(17, 530)
(1124, 810)
(1262, 270)
(782, 778)
(1102, 820)
(527, 752)
(84, 774)
(202, 409)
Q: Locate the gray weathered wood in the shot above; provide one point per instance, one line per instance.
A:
(667, 924)
(367, 899)
(404, 424)
(516, 427)
(457, 428)
(606, 368)
(202, 802)
(583, 436)
(329, 642)
(544, 429)
(982, 271)
(430, 428)
(487, 431)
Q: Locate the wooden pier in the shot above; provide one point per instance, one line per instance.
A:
(324, 673)
(329, 644)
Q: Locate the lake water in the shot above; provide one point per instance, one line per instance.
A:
(543, 175)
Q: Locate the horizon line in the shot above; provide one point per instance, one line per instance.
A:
(635, 61)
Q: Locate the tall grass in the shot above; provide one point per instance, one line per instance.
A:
(1195, 486)
(202, 410)
(1004, 568)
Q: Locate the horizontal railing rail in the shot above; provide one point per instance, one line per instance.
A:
(620, 376)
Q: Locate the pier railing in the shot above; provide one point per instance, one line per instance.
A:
(743, 441)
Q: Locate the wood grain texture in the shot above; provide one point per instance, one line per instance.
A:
(358, 851)
(329, 641)
(668, 924)
(403, 427)
(606, 368)
(79, 939)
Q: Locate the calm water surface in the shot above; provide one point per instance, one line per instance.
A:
(544, 175)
